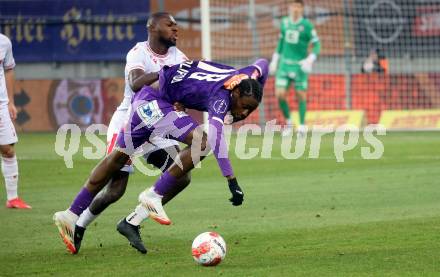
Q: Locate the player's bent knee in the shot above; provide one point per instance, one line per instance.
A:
(7, 151)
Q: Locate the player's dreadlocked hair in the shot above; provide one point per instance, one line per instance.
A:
(251, 87)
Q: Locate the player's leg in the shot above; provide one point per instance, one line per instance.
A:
(110, 194)
(114, 190)
(164, 158)
(9, 169)
(99, 177)
(9, 165)
(282, 83)
(301, 85)
(66, 220)
(130, 225)
(196, 141)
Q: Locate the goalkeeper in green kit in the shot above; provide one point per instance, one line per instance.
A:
(293, 62)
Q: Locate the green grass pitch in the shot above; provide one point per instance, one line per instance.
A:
(303, 217)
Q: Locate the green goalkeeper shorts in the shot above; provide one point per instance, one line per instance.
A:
(286, 74)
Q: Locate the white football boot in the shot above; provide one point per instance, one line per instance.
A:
(153, 203)
(65, 222)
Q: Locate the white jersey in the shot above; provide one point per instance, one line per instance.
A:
(6, 62)
(142, 57)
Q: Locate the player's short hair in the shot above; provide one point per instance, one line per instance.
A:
(154, 17)
(298, 1)
(251, 87)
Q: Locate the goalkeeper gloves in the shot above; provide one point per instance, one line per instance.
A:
(307, 63)
(237, 193)
(274, 63)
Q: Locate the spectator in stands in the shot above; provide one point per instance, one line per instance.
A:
(375, 62)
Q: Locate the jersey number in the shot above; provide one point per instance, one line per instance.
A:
(209, 77)
(292, 36)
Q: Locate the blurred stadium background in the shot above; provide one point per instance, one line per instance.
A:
(71, 54)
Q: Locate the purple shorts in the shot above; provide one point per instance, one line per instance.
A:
(151, 119)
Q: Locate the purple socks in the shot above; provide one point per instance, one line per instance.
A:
(81, 202)
(165, 183)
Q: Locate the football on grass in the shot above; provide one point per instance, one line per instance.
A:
(208, 249)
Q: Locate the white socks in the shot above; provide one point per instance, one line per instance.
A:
(86, 218)
(139, 215)
(140, 212)
(10, 173)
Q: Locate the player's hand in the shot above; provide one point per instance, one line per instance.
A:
(237, 193)
(229, 119)
(306, 66)
(274, 63)
(12, 111)
(179, 107)
(307, 63)
(273, 67)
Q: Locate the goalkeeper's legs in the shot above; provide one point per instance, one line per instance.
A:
(301, 86)
(302, 109)
(281, 94)
(282, 84)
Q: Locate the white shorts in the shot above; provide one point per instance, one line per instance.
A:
(7, 129)
(117, 123)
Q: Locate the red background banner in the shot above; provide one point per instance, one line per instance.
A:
(373, 93)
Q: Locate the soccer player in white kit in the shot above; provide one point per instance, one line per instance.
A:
(143, 63)
(8, 136)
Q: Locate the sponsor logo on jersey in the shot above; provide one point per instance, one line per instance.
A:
(150, 113)
(220, 106)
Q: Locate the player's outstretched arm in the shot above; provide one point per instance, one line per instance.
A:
(218, 145)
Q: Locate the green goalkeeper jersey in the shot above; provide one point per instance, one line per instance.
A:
(295, 38)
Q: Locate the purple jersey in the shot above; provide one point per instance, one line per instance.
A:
(200, 85)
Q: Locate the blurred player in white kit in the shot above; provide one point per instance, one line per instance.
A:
(8, 136)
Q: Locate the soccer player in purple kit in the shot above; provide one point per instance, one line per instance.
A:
(143, 63)
(204, 86)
